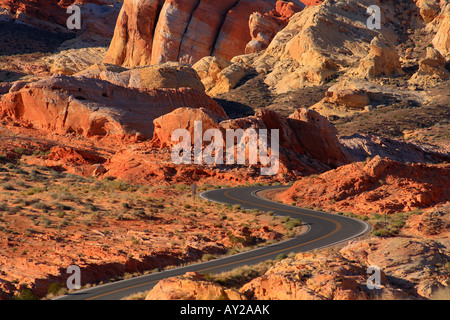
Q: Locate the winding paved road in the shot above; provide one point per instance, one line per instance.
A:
(324, 230)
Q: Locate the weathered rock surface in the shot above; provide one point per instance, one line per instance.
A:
(92, 107)
(50, 15)
(191, 286)
(308, 142)
(432, 70)
(380, 185)
(413, 260)
(235, 34)
(133, 35)
(218, 75)
(441, 41)
(382, 60)
(185, 31)
(361, 147)
(264, 27)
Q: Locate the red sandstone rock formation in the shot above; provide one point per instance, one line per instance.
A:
(308, 142)
(46, 11)
(150, 32)
(92, 107)
(380, 185)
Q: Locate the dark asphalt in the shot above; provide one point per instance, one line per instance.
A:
(324, 230)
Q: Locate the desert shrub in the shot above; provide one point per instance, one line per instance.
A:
(381, 233)
(57, 289)
(208, 257)
(25, 294)
(281, 256)
(7, 186)
(291, 224)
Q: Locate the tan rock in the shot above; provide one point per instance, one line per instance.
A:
(165, 75)
(218, 75)
(382, 60)
(429, 9)
(442, 39)
(433, 64)
(316, 46)
(262, 29)
(308, 277)
(191, 286)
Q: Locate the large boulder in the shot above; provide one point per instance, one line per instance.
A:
(218, 75)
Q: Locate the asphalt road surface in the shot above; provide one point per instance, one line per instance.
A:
(324, 230)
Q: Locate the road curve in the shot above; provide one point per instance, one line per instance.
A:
(325, 229)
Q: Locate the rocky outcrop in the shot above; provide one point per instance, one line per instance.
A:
(235, 34)
(308, 142)
(413, 260)
(362, 146)
(133, 35)
(92, 107)
(264, 27)
(382, 60)
(350, 96)
(380, 185)
(218, 75)
(191, 286)
(51, 14)
(186, 31)
(441, 41)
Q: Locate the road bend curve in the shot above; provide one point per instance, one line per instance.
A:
(325, 230)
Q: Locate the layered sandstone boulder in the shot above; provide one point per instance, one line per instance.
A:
(93, 107)
(218, 75)
(382, 60)
(433, 64)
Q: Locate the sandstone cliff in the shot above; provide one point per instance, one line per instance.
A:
(184, 31)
